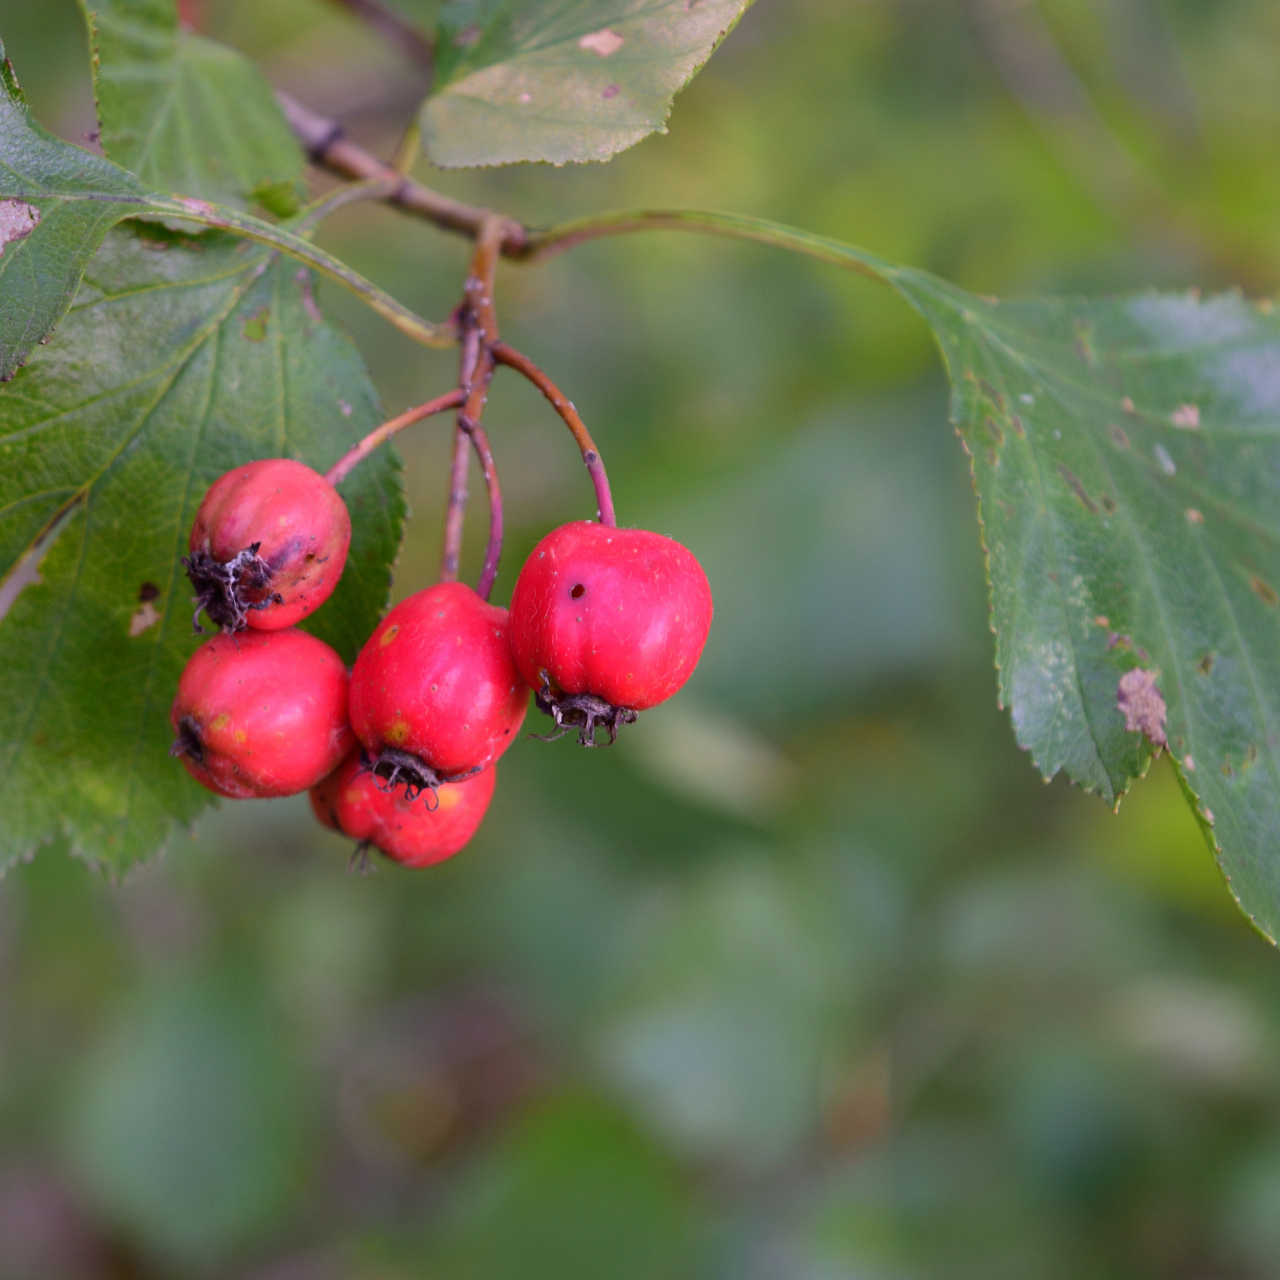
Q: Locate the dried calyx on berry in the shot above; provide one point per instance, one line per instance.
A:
(582, 711)
(351, 800)
(227, 590)
(392, 768)
(268, 546)
(606, 623)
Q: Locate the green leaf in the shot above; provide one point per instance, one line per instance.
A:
(56, 204)
(179, 360)
(562, 80)
(187, 114)
(1126, 455)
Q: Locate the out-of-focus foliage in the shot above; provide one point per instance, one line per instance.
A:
(810, 977)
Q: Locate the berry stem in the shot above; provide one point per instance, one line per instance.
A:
(457, 507)
(521, 363)
(493, 551)
(480, 331)
(343, 467)
(451, 553)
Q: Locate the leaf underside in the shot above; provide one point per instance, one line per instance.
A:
(563, 80)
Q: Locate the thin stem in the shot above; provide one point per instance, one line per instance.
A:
(554, 240)
(456, 508)
(521, 363)
(480, 326)
(251, 228)
(343, 467)
(480, 279)
(493, 551)
(469, 429)
(306, 221)
(411, 42)
(328, 147)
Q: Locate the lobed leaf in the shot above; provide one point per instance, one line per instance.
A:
(188, 114)
(563, 80)
(180, 359)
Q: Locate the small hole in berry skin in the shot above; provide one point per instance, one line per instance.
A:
(578, 592)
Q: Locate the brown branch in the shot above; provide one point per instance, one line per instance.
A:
(343, 467)
(408, 39)
(328, 147)
(521, 363)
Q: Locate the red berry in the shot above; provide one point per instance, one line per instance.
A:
(268, 545)
(607, 622)
(415, 832)
(261, 714)
(434, 694)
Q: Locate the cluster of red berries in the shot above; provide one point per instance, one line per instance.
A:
(399, 753)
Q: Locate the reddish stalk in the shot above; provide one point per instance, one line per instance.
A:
(521, 363)
(493, 551)
(451, 553)
(457, 507)
(469, 429)
(480, 330)
(343, 467)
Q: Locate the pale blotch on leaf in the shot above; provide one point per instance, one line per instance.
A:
(1142, 706)
(17, 221)
(1186, 416)
(143, 619)
(603, 42)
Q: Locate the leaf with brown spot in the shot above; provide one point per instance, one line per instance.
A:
(545, 80)
(1140, 703)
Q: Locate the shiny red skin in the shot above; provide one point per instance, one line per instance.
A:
(635, 630)
(300, 521)
(418, 832)
(437, 680)
(267, 710)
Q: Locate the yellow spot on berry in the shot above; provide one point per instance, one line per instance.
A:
(398, 733)
(389, 635)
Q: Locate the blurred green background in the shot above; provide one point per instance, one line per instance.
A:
(810, 977)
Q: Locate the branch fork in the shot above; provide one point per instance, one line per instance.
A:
(481, 351)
